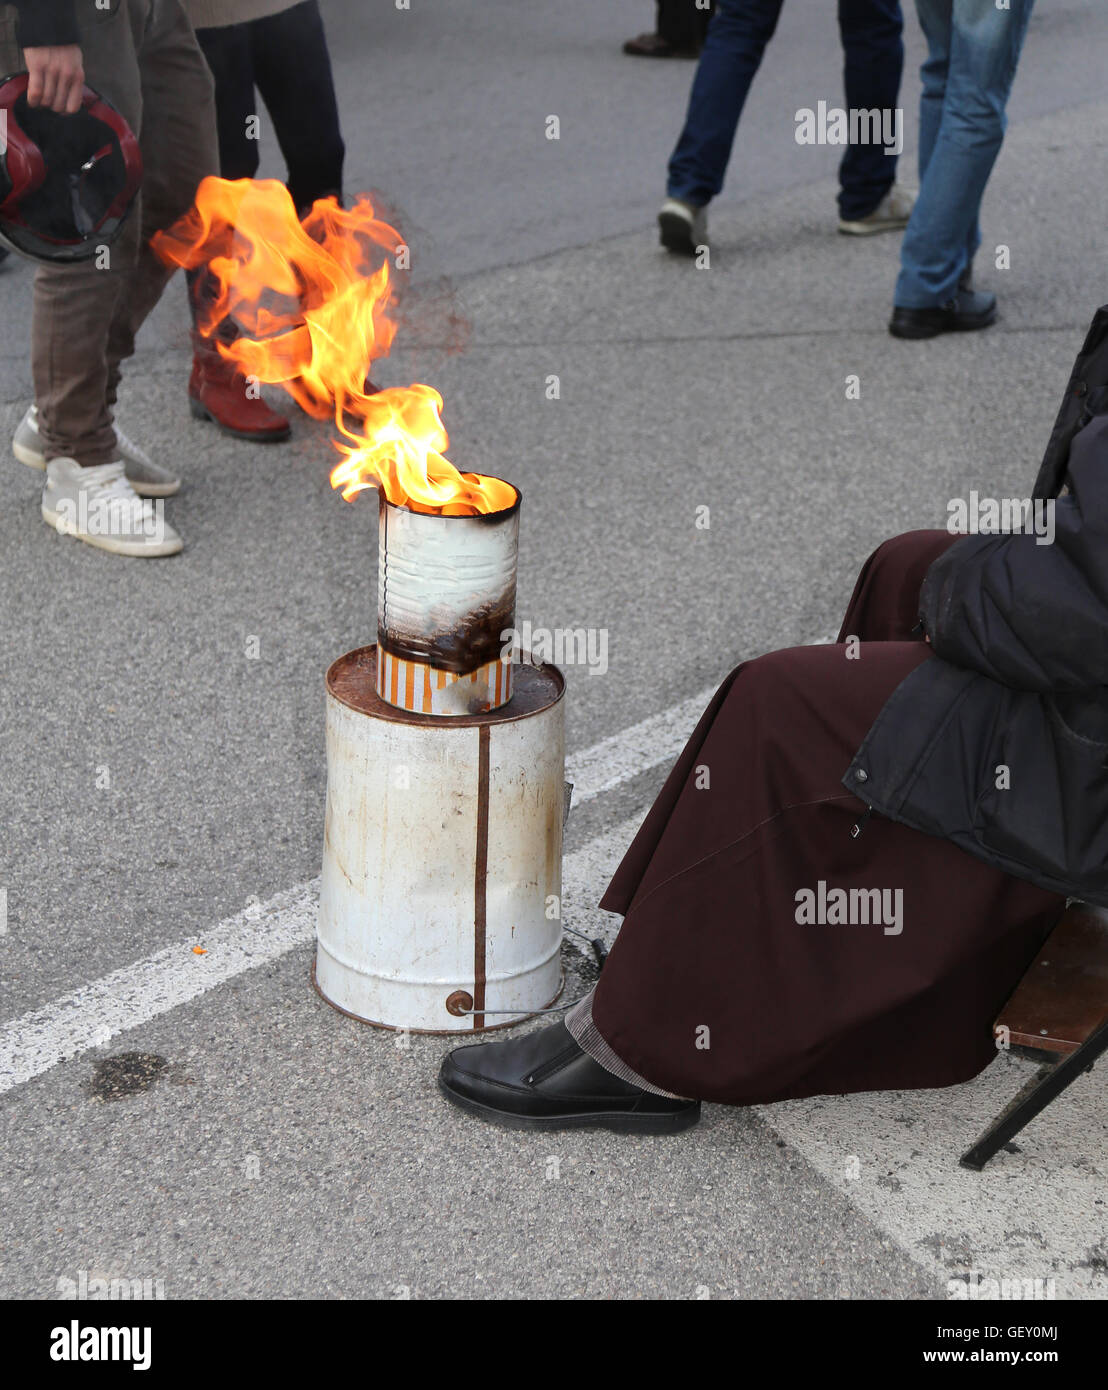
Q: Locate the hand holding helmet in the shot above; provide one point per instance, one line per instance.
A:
(67, 181)
(56, 77)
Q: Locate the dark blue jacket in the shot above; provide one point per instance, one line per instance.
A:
(999, 742)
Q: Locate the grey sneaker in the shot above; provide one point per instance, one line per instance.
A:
(890, 214)
(147, 478)
(683, 228)
(99, 506)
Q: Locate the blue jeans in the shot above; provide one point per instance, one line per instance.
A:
(973, 49)
(737, 36)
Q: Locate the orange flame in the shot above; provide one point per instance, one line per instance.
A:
(314, 306)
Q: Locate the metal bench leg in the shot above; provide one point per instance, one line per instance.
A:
(1036, 1097)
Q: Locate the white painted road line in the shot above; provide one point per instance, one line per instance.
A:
(613, 761)
(92, 1015)
(1036, 1215)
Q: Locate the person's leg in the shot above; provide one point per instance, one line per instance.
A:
(228, 54)
(216, 390)
(884, 606)
(935, 17)
(682, 24)
(873, 60)
(721, 984)
(986, 70)
(178, 139)
(74, 305)
(226, 51)
(292, 69)
(942, 234)
(732, 52)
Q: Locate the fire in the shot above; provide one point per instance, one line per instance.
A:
(314, 305)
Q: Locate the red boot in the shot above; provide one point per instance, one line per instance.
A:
(219, 392)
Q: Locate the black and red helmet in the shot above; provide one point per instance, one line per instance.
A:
(67, 183)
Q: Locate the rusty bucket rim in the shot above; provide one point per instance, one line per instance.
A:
(376, 708)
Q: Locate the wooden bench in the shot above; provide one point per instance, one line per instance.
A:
(1059, 1016)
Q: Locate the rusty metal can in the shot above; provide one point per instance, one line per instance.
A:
(446, 594)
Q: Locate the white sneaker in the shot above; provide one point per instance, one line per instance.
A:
(99, 506)
(148, 478)
(890, 214)
(682, 227)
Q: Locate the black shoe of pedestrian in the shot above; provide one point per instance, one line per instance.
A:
(968, 310)
(654, 46)
(545, 1081)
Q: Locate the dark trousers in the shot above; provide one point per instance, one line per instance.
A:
(284, 58)
(683, 23)
(719, 987)
(873, 59)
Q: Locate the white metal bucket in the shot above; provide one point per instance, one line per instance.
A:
(442, 858)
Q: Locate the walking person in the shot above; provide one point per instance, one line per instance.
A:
(973, 48)
(142, 57)
(870, 199)
(277, 50)
(863, 845)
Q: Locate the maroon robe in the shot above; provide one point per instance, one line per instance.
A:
(714, 989)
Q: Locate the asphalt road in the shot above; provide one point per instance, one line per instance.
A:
(679, 388)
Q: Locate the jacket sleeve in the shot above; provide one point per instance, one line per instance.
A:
(43, 23)
(1032, 616)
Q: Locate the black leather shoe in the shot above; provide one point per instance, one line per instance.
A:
(967, 311)
(545, 1081)
(654, 46)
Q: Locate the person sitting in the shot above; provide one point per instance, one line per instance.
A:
(863, 845)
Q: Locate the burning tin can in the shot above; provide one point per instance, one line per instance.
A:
(446, 592)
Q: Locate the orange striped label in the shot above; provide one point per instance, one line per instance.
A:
(409, 684)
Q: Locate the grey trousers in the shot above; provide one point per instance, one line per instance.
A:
(143, 57)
